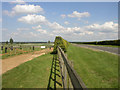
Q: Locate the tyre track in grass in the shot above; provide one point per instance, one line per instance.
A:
(10, 63)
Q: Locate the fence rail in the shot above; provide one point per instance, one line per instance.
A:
(69, 76)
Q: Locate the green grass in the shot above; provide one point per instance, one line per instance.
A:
(31, 74)
(97, 69)
(103, 45)
(25, 49)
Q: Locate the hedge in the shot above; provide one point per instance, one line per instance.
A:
(59, 41)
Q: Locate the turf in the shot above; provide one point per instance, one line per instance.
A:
(107, 46)
(26, 48)
(32, 74)
(97, 69)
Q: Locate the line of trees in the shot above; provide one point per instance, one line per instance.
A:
(107, 42)
(59, 41)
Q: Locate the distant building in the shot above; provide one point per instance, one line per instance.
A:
(42, 46)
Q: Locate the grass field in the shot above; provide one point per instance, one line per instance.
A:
(26, 48)
(97, 69)
(106, 45)
(32, 74)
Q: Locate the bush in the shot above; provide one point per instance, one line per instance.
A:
(59, 41)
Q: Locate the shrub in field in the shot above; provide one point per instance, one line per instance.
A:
(59, 41)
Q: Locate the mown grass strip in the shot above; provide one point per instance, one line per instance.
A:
(97, 69)
(31, 74)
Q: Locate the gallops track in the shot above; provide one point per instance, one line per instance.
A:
(10, 63)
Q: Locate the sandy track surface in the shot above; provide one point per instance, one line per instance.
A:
(113, 50)
(12, 62)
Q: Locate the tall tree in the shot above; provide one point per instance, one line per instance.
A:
(11, 40)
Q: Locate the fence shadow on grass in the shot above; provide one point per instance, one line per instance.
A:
(55, 76)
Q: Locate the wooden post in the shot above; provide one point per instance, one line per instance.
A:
(67, 68)
(70, 86)
(33, 48)
(65, 77)
(5, 49)
(1, 47)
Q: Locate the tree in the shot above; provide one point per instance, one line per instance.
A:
(6, 42)
(48, 41)
(11, 40)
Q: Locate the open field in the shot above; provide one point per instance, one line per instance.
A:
(12, 62)
(97, 69)
(31, 74)
(37, 73)
(21, 48)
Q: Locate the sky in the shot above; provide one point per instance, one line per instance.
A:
(74, 21)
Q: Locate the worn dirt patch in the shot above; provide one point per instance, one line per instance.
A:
(10, 63)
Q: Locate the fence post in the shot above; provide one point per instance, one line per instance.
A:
(1, 47)
(61, 66)
(33, 47)
(65, 76)
(75, 81)
(5, 49)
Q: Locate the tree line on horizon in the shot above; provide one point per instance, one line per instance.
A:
(107, 42)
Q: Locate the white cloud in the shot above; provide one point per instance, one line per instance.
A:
(14, 33)
(66, 22)
(23, 9)
(73, 31)
(33, 34)
(39, 19)
(101, 29)
(55, 26)
(18, 2)
(42, 31)
(57, 29)
(33, 19)
(12, 13)
(37, 27)
(107, 27)
(23, 29)
(27, 9)
(79, 15)
(63, 15)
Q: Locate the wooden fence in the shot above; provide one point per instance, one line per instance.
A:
(70, 78)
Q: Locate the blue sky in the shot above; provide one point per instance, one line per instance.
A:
(42, 21)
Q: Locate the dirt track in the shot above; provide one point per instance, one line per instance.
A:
(12, 62)
(113, 50)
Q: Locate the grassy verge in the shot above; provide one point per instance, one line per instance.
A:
(31, 74)
(104, 45)
(97, 69)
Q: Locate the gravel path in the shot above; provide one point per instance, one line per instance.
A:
(113, 50)
(10, 63)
